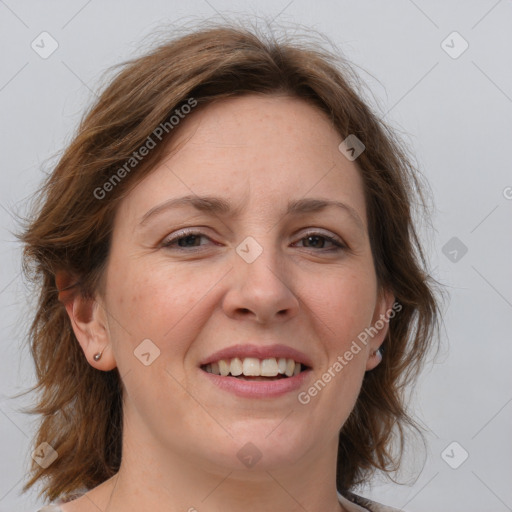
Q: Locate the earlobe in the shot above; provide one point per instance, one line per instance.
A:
(374, 360)
(383, 313)
(88, 320)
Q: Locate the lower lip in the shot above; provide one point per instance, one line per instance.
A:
(258, 388)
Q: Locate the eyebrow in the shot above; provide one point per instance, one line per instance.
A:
(218, 206)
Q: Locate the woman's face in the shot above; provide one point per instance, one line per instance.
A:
(190, 278)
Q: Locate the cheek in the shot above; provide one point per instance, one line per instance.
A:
(344, 309)
(168, 307)
(344, 304)
(163, 306)
(158, 302)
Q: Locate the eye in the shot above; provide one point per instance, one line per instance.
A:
(313, 240)
(184, 239)
(317, 240)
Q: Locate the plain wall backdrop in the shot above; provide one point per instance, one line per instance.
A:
(440, 73)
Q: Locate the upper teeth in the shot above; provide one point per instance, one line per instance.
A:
(251, 366)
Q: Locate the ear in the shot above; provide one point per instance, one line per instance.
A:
(88, 319)
(380, 326)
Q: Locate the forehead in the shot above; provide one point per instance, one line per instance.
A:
(259, 151)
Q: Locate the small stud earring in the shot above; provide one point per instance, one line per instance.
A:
(97, 356)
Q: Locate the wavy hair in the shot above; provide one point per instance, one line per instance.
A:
(70, 227)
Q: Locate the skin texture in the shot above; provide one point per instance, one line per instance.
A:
(181, 434)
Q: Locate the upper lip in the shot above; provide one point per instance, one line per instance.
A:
(259, 352)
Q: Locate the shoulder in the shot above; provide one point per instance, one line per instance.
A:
(364, 504)
(55, 505)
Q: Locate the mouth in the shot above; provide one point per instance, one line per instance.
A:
(255, 369)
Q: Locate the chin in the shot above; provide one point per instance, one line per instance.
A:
(262, 445)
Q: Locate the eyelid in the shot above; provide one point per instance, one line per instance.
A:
(319, 231)
(331, 237)
(337, 242)
(182, 233)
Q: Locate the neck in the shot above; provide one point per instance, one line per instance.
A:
(163, 482)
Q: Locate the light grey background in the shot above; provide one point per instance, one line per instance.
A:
(456, 115)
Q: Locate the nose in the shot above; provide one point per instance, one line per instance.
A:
(262, 290)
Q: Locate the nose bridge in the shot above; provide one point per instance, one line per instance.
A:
(261, 280)
(259, 262)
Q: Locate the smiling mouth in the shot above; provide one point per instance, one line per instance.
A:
(253, 369)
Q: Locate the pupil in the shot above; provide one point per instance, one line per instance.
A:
(187, 239)
(313, 237)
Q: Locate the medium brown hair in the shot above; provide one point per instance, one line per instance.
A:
(70, 230)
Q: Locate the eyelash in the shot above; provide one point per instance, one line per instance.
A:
(338, 245)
